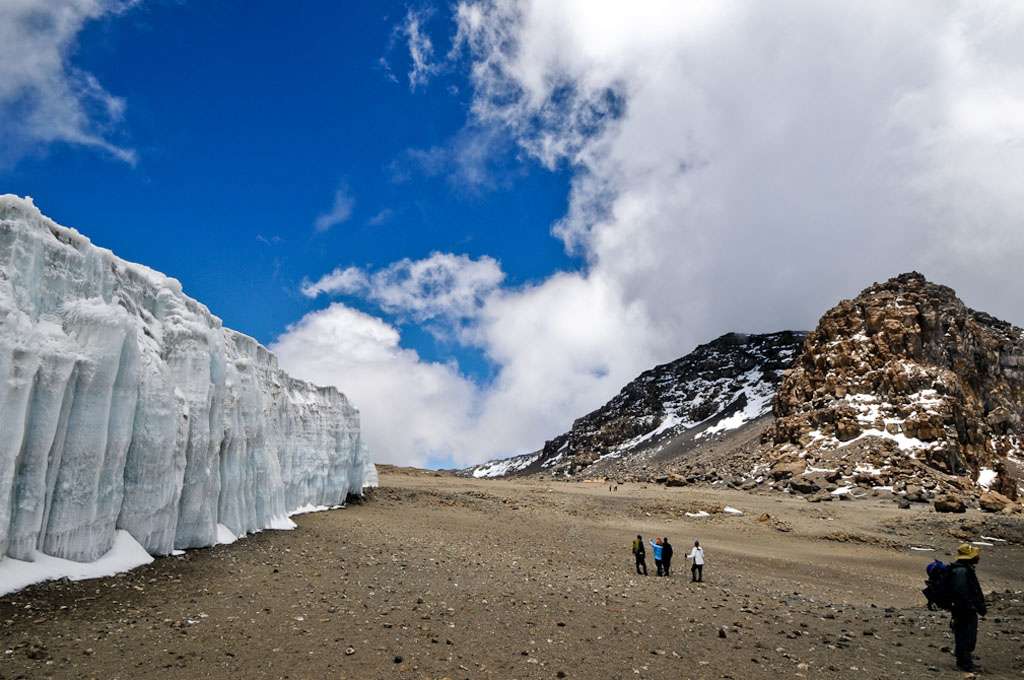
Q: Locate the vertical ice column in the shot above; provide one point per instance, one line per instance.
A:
(87, 496)
(187, 353)
(155, 468)
(47, 415)
(18, 368)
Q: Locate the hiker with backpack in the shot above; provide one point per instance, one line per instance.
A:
(666, 555)
(640, 555)
(697, 568)
(955, 588)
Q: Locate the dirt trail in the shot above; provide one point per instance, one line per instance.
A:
(440, 577)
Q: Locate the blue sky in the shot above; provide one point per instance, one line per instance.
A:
(246, 120)
(481, 218)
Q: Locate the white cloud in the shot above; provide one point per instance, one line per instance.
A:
(43, 97)
(383, 216)
(414, 410)
(421, 50)
(340, 212)
(743, 165)
(347, 281)
(411, 409)
(735, 166)
(443, 285)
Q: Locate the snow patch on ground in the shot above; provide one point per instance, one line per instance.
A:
(986, 477)
(306, 509)
(700, 513)
(729, 510)
(125, 555)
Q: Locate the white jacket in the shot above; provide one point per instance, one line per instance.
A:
(697, 555)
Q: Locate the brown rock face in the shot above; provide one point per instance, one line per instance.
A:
(993, 501)
(950, 503)
(906, 361)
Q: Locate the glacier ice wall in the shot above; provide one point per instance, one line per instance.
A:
(125, 404)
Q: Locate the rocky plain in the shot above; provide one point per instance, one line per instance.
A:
(437, 576)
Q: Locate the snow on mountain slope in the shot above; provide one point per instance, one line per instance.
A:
(718, 387)
(125, 405)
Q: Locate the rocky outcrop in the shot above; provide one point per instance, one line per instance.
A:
(718, 387)
(923, 385)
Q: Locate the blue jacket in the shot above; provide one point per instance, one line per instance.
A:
(656, 549)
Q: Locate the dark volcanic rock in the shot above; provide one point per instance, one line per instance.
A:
(735, 374)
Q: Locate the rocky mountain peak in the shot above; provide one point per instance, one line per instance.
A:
(909, 369)
(718, 387)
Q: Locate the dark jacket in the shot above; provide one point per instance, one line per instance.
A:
(666, 552)
(966, 591)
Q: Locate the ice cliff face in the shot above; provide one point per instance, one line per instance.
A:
(124, 404)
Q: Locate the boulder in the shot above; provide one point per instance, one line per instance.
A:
(804, 485)
(786, 469)
(915, 494)
(950, 503)
(993, 501)
(675, 480)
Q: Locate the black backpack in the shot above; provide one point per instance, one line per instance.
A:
(939, 586)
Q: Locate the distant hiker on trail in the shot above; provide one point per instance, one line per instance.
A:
(966, 602)
(666, 555)
(697, 568)
(640, 555)
(657, 551)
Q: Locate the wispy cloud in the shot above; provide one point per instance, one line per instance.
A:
(44, 98)
(421, 49)
(340, 212)
(469, 160)
(382, 217)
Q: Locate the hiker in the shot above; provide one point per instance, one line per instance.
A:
(666, 555)
(697, 568)
(656, 549)
(967, 603)
(640, 555)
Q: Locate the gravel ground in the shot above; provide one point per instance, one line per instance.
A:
(441, 577)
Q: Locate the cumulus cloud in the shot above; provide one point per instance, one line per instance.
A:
(44, 98)
(340, 212)
(416, 410)
(742, 165)
(444, 285)
(347, 281)
(411, 409)
(735, 166)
